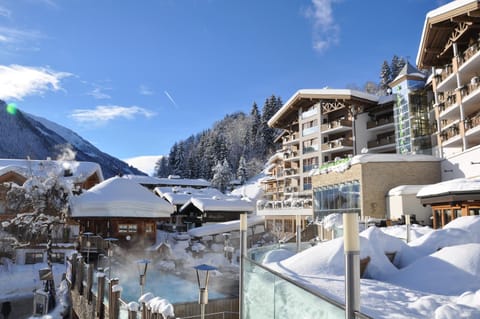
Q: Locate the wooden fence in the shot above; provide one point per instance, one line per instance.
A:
(90, 302)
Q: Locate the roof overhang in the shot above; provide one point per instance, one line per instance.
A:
(288, 113)
(450, 198)
(457, 21)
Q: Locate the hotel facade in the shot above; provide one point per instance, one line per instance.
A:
(434, 112)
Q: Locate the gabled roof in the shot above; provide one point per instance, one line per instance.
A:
(180, 195)
(120, 197)
(220, 205)
(408, 72)
(77, 171)
(306, 96)
(435, 47)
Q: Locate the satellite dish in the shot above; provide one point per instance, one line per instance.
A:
(364, 150)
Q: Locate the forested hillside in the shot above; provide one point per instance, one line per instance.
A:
(236, 147)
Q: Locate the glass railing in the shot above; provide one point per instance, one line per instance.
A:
(272, 295)
(310, 130)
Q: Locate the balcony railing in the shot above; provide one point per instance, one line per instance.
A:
(452, 131)
(448, 99)
(335, 124)
(310, 149)
(472, 122)
(309, 113)
(380, 122)
(310, 130)
(341, 142)
(290, 138)
(470, 51)
(381, 141)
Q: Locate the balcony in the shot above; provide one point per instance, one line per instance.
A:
(446, 80)
(471, 100)
(451, 135)
(337, 126)
(472, 129)
(381, 142)
(309, 113)
(310, 130)
(337, 145)
(289, 139)
(290, 155)
(310, 149)
(380, 123)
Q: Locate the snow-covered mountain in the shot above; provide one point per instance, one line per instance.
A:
(144, 163)
(24, 135)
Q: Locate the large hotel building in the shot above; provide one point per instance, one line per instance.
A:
(334, 142)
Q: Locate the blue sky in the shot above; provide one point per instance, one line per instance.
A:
(133, 77)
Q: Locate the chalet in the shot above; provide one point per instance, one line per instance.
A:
(216, 209)
(120, 208)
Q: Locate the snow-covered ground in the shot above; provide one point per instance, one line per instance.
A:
(436, 275)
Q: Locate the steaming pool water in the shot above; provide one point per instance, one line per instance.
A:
(163, 284)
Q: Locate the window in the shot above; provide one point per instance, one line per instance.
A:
(149, 228)
(33, 258)
(127, 228)
(337, 198)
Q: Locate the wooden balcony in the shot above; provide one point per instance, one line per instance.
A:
(380, 122)
(337, 125)
(341, 142)
(381, 141)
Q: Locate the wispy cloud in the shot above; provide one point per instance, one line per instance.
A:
(17, 81)
(105, 113)
(4, 12)
(325, 29)
(145, 90)
(99, 94)
(171, 99)
(13, 40)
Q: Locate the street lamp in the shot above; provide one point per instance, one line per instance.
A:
(142, 266)
(88, 244)
(202, 286)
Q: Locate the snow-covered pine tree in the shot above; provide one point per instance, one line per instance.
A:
(242, 173)
(222, 175)
(385, 77)
(396, 66)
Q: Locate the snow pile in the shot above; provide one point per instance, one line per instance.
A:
(437, 275)
(332, 221)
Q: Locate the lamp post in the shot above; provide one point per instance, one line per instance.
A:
(351, 245)
(243, 255)
(110, 241)
(407, 226)
(202, 286)
(88, 244)
(142, 266)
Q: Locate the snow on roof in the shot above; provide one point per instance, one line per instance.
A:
(45, 168)
(459, 185)
(218, 228)
(409, 70)
(322, 93)
(120, 197)
(217, 204)
(367, 158)
(150, 180)
(180, 195)
(405, 190)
